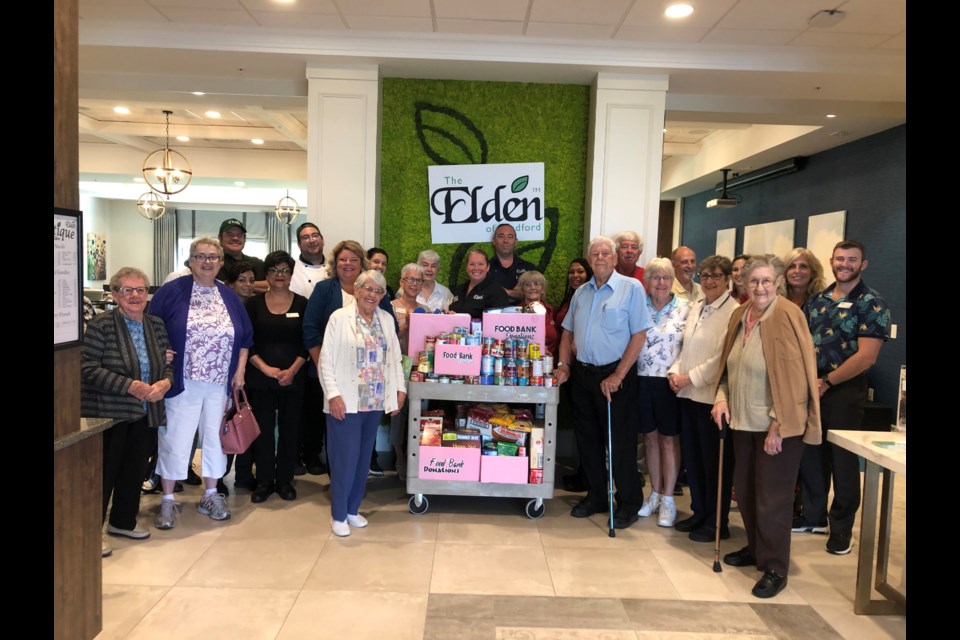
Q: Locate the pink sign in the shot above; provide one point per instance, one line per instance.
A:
(505, 469)
(515, 325)
(457, 359)
(433, 324)
(449, 463)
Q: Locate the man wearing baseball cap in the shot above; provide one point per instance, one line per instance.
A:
(233, 237)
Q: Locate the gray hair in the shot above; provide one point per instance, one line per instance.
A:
(429, 255)
(629, 236)
(766, 260)
(411, 266)
(658, 265)
(128, 272)
(371, 274)
(602, 240)
(213, 242)
(533, 276)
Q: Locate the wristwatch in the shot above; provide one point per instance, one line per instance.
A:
(826, 380)
(560, 363)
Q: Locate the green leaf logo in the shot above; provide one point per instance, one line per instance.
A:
(520, 184)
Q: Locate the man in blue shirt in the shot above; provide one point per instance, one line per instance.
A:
(849, 322)
(608, 322)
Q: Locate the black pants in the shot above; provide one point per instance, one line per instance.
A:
(313, 422)
(700, 452)
(590, 427)
(125, 451)
(280, 408)
(841, 407)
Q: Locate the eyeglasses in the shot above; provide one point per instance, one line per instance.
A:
(126, 291)
(374, 290)
(412, 280)
(199, 257)
(712, 276)
(766, 283)
(311, 236)
(661, 278)
(278, 272)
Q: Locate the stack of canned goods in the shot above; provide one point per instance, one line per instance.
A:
(510, 362)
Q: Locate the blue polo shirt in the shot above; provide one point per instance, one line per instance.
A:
(603, 319)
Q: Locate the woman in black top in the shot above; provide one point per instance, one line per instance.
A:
(276, 378)
(480, 292)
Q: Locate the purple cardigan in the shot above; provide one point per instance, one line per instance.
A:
(171, 303)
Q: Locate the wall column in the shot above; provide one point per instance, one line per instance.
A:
(343, 152)
(624, 157)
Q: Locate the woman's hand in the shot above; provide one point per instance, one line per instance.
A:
(401, 398)
(338, 408)
(271, 372)
(238, 379)
(158, 390)
(720, 410)
(678, 381)
(170, 354)
(139, 389)
(285, 377)
(773, 443)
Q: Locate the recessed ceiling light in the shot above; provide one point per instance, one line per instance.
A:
(212, 114)
(257, 141)
(285, 1)
(678, 11)
(183, 138)
(122, 111)
(138, 179)
(831, 115)
(198, 93)
(240, 183)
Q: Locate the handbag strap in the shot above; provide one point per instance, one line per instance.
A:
(239, 394)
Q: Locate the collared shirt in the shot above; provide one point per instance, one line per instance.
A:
(440, 298)
(486, 295)
(836, 325)
(507, 277)
(690, 296)
(306, 275)
(664, 338)
(604, 318)
(637, 275)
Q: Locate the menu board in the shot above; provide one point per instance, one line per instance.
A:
(67, 282)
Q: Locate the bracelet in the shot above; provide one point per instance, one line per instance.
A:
(826, 381)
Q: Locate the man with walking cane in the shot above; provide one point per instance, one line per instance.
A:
(608, 322)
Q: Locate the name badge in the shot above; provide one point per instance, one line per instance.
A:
(845, 305)
(293, 314)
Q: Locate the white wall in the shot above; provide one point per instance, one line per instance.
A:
(96, 219)
(131, 238)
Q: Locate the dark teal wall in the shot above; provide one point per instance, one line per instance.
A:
(868, 179)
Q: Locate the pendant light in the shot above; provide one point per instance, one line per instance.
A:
(167, 171)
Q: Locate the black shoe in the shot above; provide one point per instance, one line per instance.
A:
(586, 508)
(839, 544)
(677, 490)
(769, 585)
(178, 487)
(192, 477)
(375, 469)
(299, 469)
(286, 491)
(742, 558)
(623, 518)
(249, 485)
(222, 487)
(800, 525)
(688, 524)
(707, 533)
(261, 493)
(574, 483)
(316, 468)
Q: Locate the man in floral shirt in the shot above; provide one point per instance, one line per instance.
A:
(849, 322)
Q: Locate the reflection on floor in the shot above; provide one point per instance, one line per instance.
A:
(468, 568)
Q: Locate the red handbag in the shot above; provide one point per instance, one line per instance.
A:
(239, 428)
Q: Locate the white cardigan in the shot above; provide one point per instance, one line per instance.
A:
(338, 360)
(702, 344)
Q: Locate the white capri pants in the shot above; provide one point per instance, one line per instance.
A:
(201, 404)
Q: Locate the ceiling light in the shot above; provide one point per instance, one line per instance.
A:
(240, 183)
(287, 209)
(285, 1)
(678, 11)
(167, 171)
(212, 114)
(198, 93)
(183, 138)
(257, 141)
(826, 18)
(831, 115)
(124, 111)
(151, 206)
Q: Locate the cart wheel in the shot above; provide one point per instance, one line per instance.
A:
(419, 510)
(534, 511)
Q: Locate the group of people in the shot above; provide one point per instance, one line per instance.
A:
(758, 346)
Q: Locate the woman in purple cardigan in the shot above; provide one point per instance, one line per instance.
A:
(210, 333)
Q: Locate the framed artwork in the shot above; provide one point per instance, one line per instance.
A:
(772, 237)
(824, 231)
(727, 242)
(67, 278)
(96, 257)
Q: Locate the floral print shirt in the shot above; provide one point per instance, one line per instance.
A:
(837, 324)
(371, 354)
(664, 338)
(210, 337)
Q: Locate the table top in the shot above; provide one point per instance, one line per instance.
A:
(890, 454)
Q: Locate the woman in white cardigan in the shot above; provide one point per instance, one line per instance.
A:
(362, 377)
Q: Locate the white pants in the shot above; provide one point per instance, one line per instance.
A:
(200, 405)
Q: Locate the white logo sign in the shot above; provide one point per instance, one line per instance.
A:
(467, 202)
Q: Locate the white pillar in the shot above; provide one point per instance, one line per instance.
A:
(343, 152)
(625, 153)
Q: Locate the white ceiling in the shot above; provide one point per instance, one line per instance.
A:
(751, 82)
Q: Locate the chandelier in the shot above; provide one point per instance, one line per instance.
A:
(167, 171)
(151, 206)
(287, 209)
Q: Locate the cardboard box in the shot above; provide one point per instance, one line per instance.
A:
(504, 469)
(449, 463)
(433, 324)
(536, 448)
(457, 359)
(514, 325)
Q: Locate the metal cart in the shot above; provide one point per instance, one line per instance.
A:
(420, 391)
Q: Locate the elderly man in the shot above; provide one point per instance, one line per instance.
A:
(233, 238)
(608, 321)
(505, 267)
(629, 248)
(849, 322)
(685, 265)
(311, 265)
(433, 295)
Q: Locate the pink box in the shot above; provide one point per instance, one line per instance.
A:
(505, 469)
(449, 463)
(457, 359)
(433, 324)
(515, 325)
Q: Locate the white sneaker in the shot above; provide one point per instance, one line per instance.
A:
(668, 514)
(137, 533)
(340, 527)
(357, 521)
(105, 550)
(649, 505)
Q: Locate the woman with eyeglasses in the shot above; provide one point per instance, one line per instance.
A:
(769, 394)
(124, 375)
(362, 378)
(210, 333)
(276, 378)
(533, 286)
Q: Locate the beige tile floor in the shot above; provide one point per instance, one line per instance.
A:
(468, 568)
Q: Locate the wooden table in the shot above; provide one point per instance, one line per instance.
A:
(890, 461)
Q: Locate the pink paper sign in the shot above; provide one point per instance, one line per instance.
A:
(449, 463)
(433, 324)
(457, 359)
(504, 469)
(515, 325)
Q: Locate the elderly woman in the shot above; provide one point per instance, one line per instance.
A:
(124, 375)
(276, 378)
(533, 286)
(433, 295)
(210, 334)
(479, 292)
(737, 289)
(362, 378)
(659, 407)
(693, 376)
(768, 393)
(803, 276)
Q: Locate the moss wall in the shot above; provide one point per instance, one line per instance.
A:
(437, 122)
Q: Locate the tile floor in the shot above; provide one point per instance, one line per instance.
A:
(468, 568)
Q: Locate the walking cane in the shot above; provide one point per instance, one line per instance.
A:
(724, 429)
(610, 470)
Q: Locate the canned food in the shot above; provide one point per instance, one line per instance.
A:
(547, 364)
(534, 350)
(536, 368)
